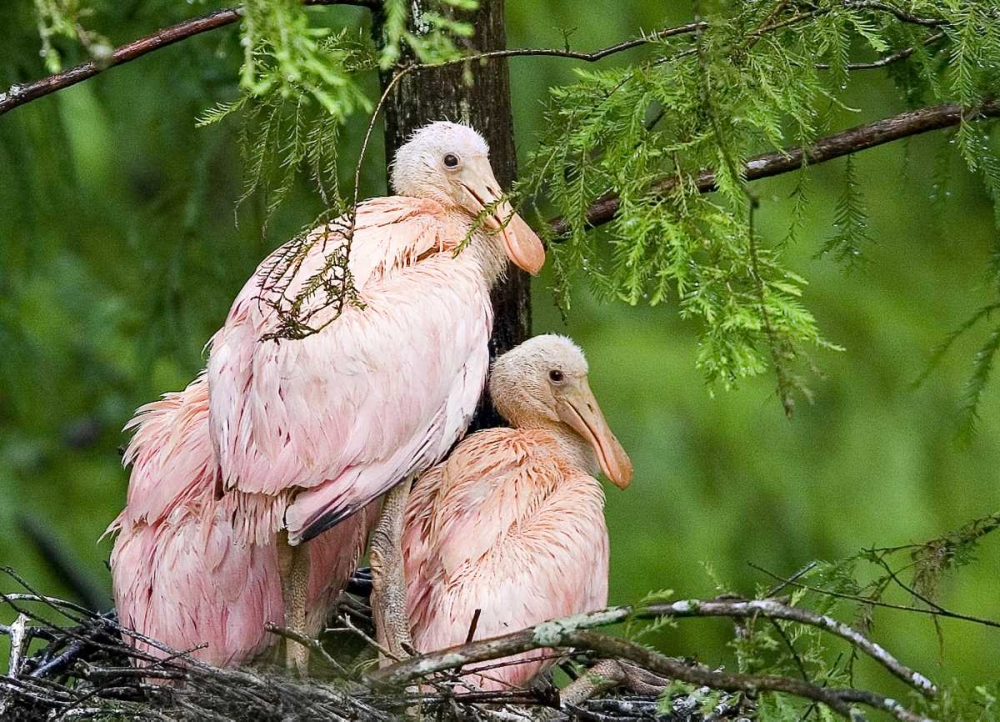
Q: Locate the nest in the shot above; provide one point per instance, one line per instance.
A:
(83, 665)
(67, 662)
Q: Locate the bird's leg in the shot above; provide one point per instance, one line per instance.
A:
(392, 625)
(293, 567)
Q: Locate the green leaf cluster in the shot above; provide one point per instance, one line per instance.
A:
(690, 114)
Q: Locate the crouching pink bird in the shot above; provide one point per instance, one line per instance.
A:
(512, 523)
(184, 572)
(300, 436)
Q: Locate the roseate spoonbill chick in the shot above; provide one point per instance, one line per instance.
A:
(511, 524)
(183, 569)
(321, 426)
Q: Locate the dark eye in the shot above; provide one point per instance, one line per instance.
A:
(451, 161)
(556, 375)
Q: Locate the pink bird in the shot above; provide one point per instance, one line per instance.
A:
(184, 572)
(512, 523)
(299, 436)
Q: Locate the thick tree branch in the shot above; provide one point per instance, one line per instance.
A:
(575, 632)
(852, 140)
(733, 608)
(772, 609)
(20, 94)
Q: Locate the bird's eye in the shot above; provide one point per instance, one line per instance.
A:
(556, 375)
(451, 161)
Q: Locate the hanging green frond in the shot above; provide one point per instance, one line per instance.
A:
(982, 369)
(65, 19)
(434, 40)
(850, 220)
(285, 56)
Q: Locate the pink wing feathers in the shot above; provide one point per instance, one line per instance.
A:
(184, 571)
(381, 393)
(503, 526)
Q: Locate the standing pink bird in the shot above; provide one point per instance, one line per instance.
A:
(184, 571)
(512, 522)
(299, 436)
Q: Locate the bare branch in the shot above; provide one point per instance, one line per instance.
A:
(19, 94)
(846, 142)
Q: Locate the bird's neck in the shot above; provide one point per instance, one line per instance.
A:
(485, 249)
(571, 445)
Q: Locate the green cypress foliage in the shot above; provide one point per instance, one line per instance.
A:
(747, 79)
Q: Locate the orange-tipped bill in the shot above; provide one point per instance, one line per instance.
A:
(578, 408)
(522, 245)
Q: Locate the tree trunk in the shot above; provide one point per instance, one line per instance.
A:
(442, 94)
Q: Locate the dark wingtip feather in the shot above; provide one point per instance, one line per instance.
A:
(327, 521)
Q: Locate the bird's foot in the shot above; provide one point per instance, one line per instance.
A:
(609, 674)
(392, 624)
(297, 658)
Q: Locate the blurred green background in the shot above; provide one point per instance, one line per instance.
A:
(120, 253)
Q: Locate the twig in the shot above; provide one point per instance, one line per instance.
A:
(899, 13)
(887, 59)
(780, 586)
(879, 603)
(60, 661)
(846, 142)
(305, 641)
(62, 562)
(367, 638)
(473, 625)
(906, 587)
